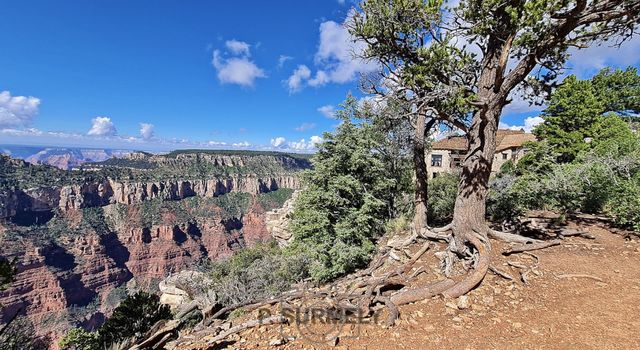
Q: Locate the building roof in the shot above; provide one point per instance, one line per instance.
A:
(505, 138)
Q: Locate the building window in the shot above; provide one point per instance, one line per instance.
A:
(436, 160)
(504, 156)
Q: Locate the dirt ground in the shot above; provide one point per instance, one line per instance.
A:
(583, 294)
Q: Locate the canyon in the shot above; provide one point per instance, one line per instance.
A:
(82, 240)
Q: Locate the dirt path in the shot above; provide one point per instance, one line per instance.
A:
(601, 311)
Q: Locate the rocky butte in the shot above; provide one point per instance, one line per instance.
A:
(82, 239)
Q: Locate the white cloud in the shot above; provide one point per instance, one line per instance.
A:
(146, 130)
(296, 80)
(242, 144)
(278, 141)
(529, 124)
(102, 126)
(328, 111)
(336, 58)
(585, 62)
(17, 111)
(303, 145)
(238, 47)
(283, 59)
(216, 143)
(238, 70)
(305, 126)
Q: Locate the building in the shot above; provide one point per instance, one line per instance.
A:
(446, 155)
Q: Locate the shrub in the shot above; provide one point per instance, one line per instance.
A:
(256, 272)
(80, 339)
(342, 210)
(623, 205)
(20, 335)
(133, 317)
(443, 190)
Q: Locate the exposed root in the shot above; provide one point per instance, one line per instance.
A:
(511, 238)
(500, 273)
(393, 310)
(480, 270)
(532, 246)
(246, 325)
(428, 291)
(446, 228)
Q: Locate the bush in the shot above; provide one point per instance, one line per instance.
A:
(80, 339)
(342, 210)
(443, 190)
(623, 205)
(20, 335)
(256, 272)
(133, 318)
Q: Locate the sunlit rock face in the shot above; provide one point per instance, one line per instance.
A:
(80, 246)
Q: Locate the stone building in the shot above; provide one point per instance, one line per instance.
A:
(446, 155)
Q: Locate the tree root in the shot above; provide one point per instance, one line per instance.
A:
(246, 325)
(500, 273)
(532, 246)
(511, 238)
(480, 270)
(393, 310)
(428, 291)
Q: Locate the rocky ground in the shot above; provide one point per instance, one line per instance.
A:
(582, 294)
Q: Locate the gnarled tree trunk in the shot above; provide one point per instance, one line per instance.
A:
(420, 167)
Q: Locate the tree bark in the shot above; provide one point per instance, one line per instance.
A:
(420, 168)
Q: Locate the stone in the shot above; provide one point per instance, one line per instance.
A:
(463, 302)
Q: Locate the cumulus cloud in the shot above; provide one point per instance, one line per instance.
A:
(217, 143)
(238, 47)
(283, 59)
(529, 124)
(328, 111)
(146, 130)
(242, 144)
(296, 80)
(336, 59)
(278, 141)
(238, 68)
(102, 126)
(17, 111)
(303, 145)
(586, 62)
(305, 126)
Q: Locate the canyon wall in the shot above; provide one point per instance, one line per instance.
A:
(80, 247)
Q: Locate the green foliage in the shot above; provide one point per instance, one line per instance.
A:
(274, 199)
(443, 190)
(577, 118)
(345, 202)
(623, 205)
(7, 272)
(569, 119)
(21, 335)
(256, 272)
(80, 339)
(133, 318)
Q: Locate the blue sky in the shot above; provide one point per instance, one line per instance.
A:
(162, 74)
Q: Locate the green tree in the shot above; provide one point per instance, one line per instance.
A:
(581, 111)
(515, 38)
(341, 211)
(80, 339)
(133, 317)
(618, 90)
(7, 272)
(428, 82)
(573, 111)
